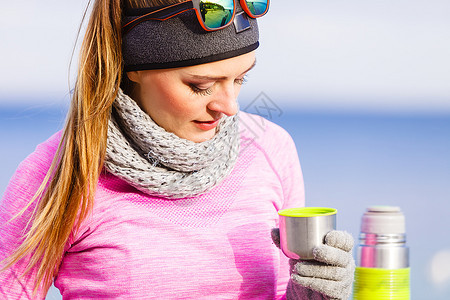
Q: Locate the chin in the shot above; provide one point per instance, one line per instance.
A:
(198, 138)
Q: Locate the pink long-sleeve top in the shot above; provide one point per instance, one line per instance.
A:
(134, 246)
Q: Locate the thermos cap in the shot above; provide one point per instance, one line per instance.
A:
(383, 220)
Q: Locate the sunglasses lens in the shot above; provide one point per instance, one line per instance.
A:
(216, 14)
(257, 7)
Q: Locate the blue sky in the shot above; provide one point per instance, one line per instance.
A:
(353, 55)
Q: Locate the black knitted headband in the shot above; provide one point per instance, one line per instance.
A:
(181, 41)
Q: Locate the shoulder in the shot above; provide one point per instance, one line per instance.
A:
(40, 160)
(265, 134)
(275, 153)
(32, 171)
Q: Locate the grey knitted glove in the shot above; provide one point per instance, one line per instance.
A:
(330, 274)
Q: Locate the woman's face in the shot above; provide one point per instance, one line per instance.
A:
(189, 101)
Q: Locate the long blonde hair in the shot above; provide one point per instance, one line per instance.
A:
(66, 194)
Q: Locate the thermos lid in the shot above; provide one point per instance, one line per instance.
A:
(383, 220)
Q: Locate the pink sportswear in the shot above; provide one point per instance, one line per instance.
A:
(133, 246)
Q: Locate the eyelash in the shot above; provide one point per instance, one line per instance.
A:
(199, 91)
(208, 91)
(242, 80)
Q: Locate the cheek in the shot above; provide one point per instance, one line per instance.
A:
(174, 101)
(177, 106)
(162, 97)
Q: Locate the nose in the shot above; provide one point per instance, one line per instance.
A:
(225, 100)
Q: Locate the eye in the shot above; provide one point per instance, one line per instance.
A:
(202, 92)
(242, 80)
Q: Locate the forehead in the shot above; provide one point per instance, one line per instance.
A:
(228, 67)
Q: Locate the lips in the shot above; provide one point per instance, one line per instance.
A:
(207, 125)
(205, 122)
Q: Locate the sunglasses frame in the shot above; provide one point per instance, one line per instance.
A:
(163, 13)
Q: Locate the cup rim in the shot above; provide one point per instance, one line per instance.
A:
(306, 212)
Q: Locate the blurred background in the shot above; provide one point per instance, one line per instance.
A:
(363, 87)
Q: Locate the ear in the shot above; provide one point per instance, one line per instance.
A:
(134, 76)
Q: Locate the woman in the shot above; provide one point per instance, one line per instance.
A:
(157, 187)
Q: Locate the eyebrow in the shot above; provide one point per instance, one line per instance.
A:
(210, 77)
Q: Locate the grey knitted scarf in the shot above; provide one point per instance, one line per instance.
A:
(160, 163)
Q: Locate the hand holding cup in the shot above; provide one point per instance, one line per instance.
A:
(321, 258)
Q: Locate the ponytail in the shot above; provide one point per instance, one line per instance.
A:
(67, 193)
